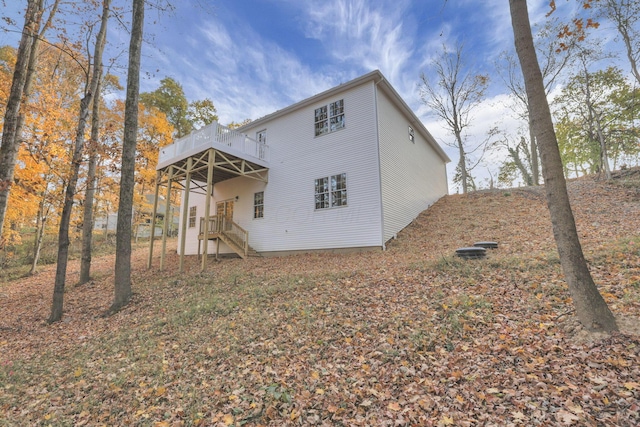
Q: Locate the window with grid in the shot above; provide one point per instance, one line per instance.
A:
(321, 124)
(329, 118)
(258, 204)
(336, 115)
(339, 190)
(331, 192)
(192, 216)
(322, 193)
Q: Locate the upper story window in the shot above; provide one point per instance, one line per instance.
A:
(329, 118)
(412, 135)
(261, 136)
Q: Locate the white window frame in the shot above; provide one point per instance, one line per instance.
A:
(258, 205)
(261, 136)
(329, 118)
(193, 212)
(338, 190)
(336, 115)
(330, 191)
(322, 193)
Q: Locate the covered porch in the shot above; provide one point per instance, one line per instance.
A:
(195, 164)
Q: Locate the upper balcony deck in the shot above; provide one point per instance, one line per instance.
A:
(219, 137)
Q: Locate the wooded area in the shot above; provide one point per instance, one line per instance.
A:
(63, 138)
(412, 335)
(77, 147)
(56, 88)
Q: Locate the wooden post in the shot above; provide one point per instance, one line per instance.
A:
(153, 219)
(185, 213)
(207, 208)
(165, 228)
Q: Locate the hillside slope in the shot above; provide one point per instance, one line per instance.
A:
(409, 336)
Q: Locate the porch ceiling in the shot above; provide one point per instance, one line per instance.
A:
(225, 166)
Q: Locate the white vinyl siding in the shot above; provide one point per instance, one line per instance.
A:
(413, 175)
(298, 158)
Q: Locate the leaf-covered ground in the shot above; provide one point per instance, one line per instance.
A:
(407, 337)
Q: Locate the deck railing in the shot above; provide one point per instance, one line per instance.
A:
(229, 229)
(216, 135)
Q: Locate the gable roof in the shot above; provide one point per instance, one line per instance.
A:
(381, 82)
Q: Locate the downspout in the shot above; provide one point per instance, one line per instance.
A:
(375, 98)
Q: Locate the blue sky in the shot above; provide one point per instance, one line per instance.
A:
(253, 57)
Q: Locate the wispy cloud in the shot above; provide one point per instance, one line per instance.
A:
(246, 75)
(360, 33)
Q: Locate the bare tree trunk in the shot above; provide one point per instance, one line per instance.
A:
(591, 308)
(455, 95)
(535, 163)
(127, 177)
(65, 220)
(37, 244)
(604, 155)
(514, 153)
(106, 227)
(87, 223)
(462, 164)
(10, 139)
(594, 119)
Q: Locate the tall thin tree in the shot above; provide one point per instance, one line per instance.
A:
(127, 175)
(453, 96)
(10, 138)
(87, 217)
(591, 309)
(70, 191)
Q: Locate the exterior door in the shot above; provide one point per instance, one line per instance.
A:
(224, 212)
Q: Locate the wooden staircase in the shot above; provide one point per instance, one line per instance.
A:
(224, 229)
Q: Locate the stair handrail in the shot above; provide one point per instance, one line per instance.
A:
(213, 227)
(221, 224)
(234, 232)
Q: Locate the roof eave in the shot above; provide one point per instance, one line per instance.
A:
(378, 78)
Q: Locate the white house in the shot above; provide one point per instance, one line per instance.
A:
(141, 219)
(345, 169)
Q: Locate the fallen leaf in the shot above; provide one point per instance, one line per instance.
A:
(446, 421)
(227, 419)
(566, 417)
(394, 406)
